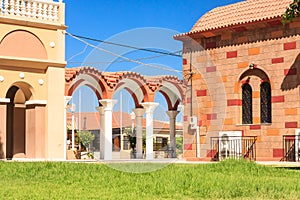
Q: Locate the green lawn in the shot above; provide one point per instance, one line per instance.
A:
(225, 180)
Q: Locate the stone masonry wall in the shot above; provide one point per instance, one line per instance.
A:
(217, 81)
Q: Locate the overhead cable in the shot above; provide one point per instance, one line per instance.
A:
(118, 61)
(120, 56)
(128, 46)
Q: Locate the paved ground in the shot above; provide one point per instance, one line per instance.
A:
(182, 161)
(166, 161)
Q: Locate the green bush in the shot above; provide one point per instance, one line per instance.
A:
(85, 137)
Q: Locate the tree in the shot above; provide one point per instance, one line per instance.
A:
(85, 137)
(131, 137)
(291, 12)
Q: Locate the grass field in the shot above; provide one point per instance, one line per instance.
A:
(225, 180)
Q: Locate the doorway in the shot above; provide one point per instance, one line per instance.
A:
(16, 122)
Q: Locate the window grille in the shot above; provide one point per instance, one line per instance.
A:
(265, 102)
(247, 104)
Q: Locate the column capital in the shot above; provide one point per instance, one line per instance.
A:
(172, 113)
(149, 106)
(139, 112)
(108, 104)
(99, 109)
(67, 99)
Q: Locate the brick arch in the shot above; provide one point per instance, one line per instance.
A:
(111, 82)
(73, 81)
(254, 72)
(246, 74)
(141, 82)
(22, 43)
(173, 90)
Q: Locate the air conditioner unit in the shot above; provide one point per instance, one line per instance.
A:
(193, 122)
(230, 144)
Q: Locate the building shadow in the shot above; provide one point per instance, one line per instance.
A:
(292, 76)
(292, 168)
(2, 156)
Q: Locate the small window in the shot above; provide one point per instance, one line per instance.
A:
(246, 104)
(265, 103)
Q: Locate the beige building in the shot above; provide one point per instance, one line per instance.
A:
(32, 79)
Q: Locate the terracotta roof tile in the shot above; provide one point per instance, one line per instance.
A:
(93, 121)
(240, 13)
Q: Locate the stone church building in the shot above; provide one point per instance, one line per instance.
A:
(244, 66)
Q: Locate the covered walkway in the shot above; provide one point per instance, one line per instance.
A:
(142, 90)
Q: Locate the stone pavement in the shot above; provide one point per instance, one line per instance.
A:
(166, 161)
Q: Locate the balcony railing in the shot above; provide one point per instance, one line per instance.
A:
(36, 10)
(233, 147)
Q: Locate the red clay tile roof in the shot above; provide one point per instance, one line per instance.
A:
(240, 13)
(93, 121)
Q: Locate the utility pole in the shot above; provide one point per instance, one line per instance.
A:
(191, 86)
(195, 120)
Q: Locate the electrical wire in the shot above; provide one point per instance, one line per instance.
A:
(119, 61)
(120, 56)
(128, 46)
(79, 53)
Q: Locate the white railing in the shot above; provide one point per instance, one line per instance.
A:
(38, 10)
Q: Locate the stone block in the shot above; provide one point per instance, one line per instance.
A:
(277, 60)
(272, 132)
(289, 45)
(253, 51)
(291, 111)
(231, 54)
(291, 124)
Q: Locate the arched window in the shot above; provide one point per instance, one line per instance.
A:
(265, 103)
(247, 104)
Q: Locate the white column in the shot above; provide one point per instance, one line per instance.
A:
(73, 130)
(139, 112)
(108, 105)
(172, 116)
(149, 109)
(101, 131)
(67, 99)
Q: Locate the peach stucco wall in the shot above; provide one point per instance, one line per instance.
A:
(2, 130)
(46, 36)
(25, 49)
(55, 113)
(21, 43)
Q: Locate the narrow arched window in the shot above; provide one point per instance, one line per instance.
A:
(265, 103)
(246, 104)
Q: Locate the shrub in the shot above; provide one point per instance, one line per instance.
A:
(85, 137)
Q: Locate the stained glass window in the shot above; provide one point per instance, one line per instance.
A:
(247, 104)
(265, 102)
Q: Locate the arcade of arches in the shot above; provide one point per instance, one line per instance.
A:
(142, 90)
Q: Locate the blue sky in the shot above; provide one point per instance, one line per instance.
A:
(141, 23)
(103, 19)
